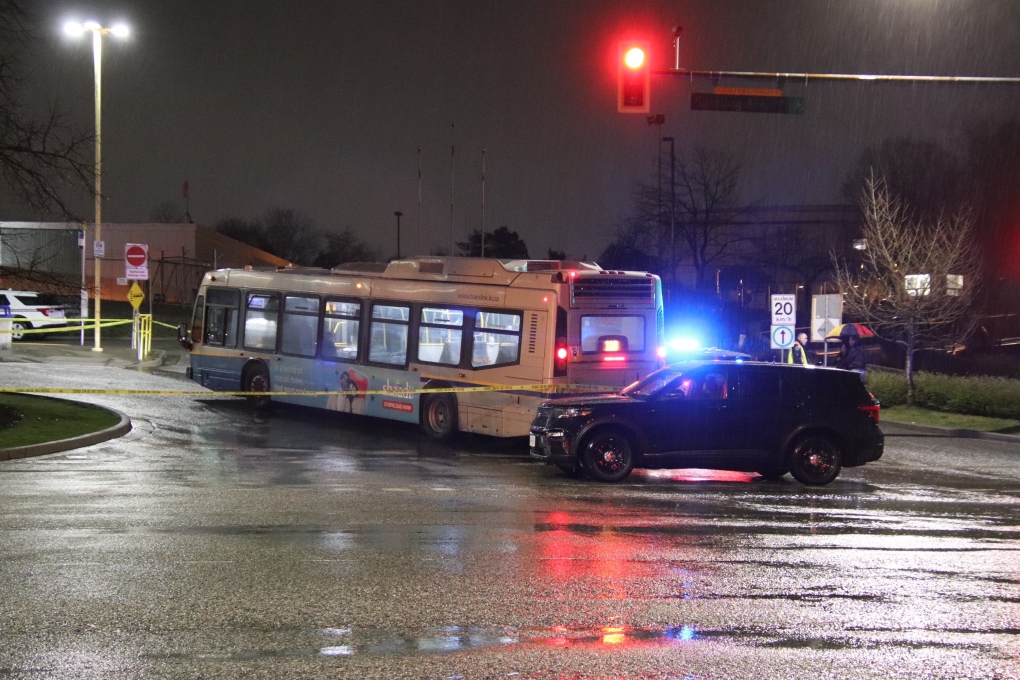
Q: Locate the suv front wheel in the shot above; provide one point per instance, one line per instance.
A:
(18, 328)
(609, 456)
(815, 460)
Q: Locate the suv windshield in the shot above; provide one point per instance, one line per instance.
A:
(652, 383)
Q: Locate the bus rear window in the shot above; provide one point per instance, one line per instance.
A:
(612, 334)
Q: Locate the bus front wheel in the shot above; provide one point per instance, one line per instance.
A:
(439, 418)
(256, 379)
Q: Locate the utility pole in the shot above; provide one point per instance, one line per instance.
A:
(398, 214)
(672, 214)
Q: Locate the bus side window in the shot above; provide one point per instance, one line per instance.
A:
(260, 321)
(340, 330)
(440, 335)
(390, 327)
(197, 320)
(497, 339)
(220, 319)
(300, 325)
(214, 322)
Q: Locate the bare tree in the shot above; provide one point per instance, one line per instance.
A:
(166, 211)
(344, 246)
(914, 279)
(292, 235)
(688, 221)
(42, 161)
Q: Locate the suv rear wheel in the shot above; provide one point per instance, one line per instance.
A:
(815, 460)
(609, 456)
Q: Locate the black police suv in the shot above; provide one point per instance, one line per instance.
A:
(753, 417)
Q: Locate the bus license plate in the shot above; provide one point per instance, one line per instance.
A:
(534, 441)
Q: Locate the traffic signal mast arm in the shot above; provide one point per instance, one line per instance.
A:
(805, 77)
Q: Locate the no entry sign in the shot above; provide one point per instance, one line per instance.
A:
(136, 261)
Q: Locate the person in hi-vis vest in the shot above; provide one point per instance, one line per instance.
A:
(798, 353)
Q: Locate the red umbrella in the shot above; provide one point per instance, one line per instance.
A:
(851, 330)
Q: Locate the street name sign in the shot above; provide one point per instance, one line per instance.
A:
(709, 101)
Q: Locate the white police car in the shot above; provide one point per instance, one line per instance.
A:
(31, 310)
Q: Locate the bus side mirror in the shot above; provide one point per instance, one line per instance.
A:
(182, 336)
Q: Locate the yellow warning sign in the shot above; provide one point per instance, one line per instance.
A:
(135, 295)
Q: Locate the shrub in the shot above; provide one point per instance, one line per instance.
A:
(967, 395)
(889, 388)
(978, 396)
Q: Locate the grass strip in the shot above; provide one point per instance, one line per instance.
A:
(956, 421)
(47, 419)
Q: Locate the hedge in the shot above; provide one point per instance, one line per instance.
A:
(968, 395)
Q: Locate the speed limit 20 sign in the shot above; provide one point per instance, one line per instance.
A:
(136, 261)
(784, 310)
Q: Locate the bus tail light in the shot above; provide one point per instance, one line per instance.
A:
(613, 357)
(660, 354)
(560, 365)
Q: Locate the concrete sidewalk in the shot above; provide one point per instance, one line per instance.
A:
(116, 352)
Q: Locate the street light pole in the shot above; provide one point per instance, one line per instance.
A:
(672, 213)
(97, 57)
(120, 30)
(398, 214)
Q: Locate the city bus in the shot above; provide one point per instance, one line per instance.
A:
(376, 339)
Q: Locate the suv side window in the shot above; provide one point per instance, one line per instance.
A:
(756, 385)
(711, 385)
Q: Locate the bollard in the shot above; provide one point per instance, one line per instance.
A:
(6, 328)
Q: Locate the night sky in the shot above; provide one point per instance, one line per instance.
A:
(321, 106)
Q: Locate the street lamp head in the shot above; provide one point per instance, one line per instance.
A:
(74, 29)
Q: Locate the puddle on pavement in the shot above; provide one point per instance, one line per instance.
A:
(344, 642)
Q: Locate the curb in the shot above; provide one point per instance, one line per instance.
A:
(61, 445)
(157, 360)
(957, 433)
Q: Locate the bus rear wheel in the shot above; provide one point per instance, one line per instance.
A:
(439, 416)
(256, 379)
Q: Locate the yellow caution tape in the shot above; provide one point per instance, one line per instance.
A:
(71, 327)
(312, 393)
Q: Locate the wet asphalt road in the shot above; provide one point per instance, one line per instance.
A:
(211, 543)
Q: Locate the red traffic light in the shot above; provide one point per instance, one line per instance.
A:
(633, 87)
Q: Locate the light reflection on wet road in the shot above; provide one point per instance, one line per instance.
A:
(213, 543)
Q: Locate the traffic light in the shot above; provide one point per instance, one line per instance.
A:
(633, 90)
